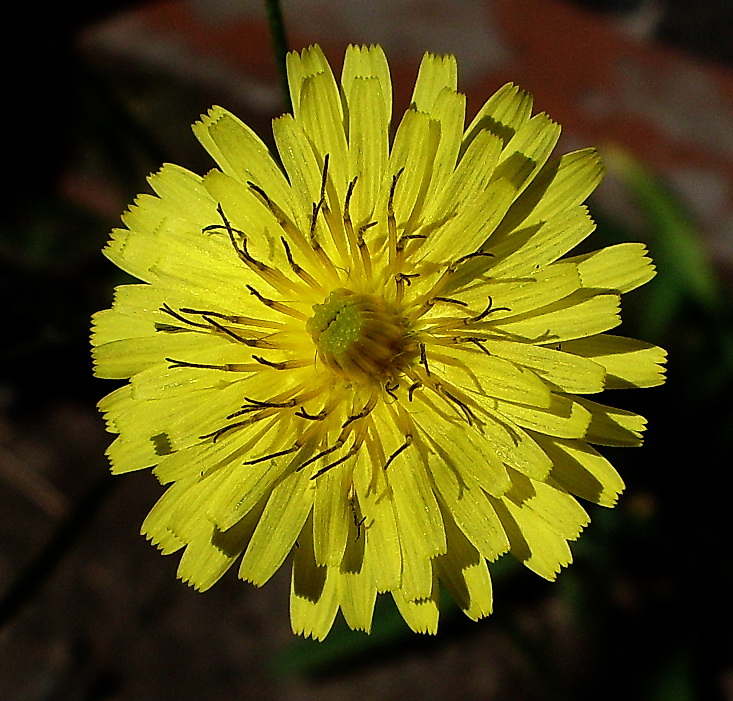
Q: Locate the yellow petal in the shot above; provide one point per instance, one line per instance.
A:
(416, 552)
(419, 523)
(382, 543)
(367, 62)
(464, 184)
(479, 220)
(188, 518)
(280, 526)
(301, 165)
(156, 528)
(623, 267)
(412, 157)
(124, 358)
(241, 154)
(246, 213)
(472, 453)
(314, 594)
(464, 572)
(490, 377)
(322, 118)
(610, 426)
(208, 557)
(114, 404)
(516, 448)
(468, 505)
(512, 298)
(535, 545)
(303, 65)
(130, 454)
(331, 516)
(562, 513)
(435, 73)
(358, 596)
(564, 417)
(449, 110)
(181, 194)
(527, 151)
(421, 614)
(628, 362)
(503, 114)
(560, 186)
(581, 470)
(368, 146)
(519, 252)
(564, 370)
(574, 317)
(255, 476)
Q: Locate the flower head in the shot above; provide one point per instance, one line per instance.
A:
(371, 354)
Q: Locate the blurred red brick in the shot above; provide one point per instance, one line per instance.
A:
(670, 110)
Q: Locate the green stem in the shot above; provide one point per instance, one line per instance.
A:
(279, 46)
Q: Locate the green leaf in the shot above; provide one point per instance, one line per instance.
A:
(685, 274)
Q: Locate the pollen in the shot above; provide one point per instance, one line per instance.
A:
(361, 335)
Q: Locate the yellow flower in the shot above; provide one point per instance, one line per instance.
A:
(369, 353)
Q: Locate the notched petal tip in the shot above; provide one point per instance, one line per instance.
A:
(201, 126)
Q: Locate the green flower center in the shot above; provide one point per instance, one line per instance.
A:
(361, 334)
